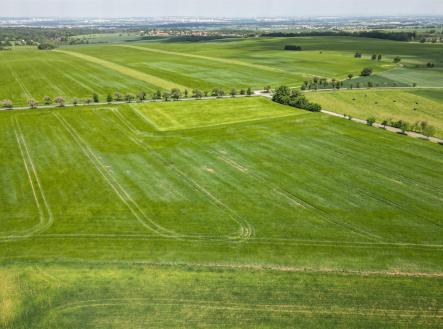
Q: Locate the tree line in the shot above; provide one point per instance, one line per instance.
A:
(421, 127)
(165, 95)
(395, 36)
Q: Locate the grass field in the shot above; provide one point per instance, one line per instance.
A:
(222, 213)
(409, 105)
(80, 71)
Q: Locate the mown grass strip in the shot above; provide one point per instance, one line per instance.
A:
(208, 58)
(161, 83)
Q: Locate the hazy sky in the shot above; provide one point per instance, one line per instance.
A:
(228, 8)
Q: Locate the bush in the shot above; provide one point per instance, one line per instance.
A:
(46, 46)
(366, 72)
(293, 47)
(95, 98)
(32, 103)
(370, 121)
(284, 95)
(7, 104)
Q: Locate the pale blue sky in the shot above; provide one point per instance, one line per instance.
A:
(228, 8)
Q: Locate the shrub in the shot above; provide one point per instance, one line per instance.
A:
(118, 97)
(284, 95)
(46, 46)
(32, 103)
(366, 72)
(60, 101)
(293, 47)
(95, 98)
(370, 121)
(7, 104)
(47, 100)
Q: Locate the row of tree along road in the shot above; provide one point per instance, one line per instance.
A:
(165, 95)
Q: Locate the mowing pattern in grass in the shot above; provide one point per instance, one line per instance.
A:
(227, 188)
(161, 83)
(409, 105)
(28, 73)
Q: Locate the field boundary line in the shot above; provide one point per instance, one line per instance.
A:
(152, 79)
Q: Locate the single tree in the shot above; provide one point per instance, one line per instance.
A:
(47, 100)
(366, 72)
(370, 121)
(118, 97)
(7, 104)
(268, 89)
(109, 98)
(166, 96)
(186, 93)
(374, 57)
(129, 97)
(60, 101)
(242, 92)
(32, 103)
(233, 92)
(249, 92)
(379, 57)
(350, 76)
(75, 101)
(157, 95)
(397, 60)
(141, 96)
(384, 123)
(176, 94)
(88, 101)
(197, 93)
(95, 98)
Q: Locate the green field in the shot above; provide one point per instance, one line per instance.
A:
(237, 213)
(80, 71)
(409, 105)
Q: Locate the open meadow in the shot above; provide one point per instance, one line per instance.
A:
(410, 105)
(238, 213)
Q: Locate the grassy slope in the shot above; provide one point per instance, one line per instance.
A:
(315, 192)
(410, 105)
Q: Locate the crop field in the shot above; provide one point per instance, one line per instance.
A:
(407, 104)
(80, 71)
(216, 213)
